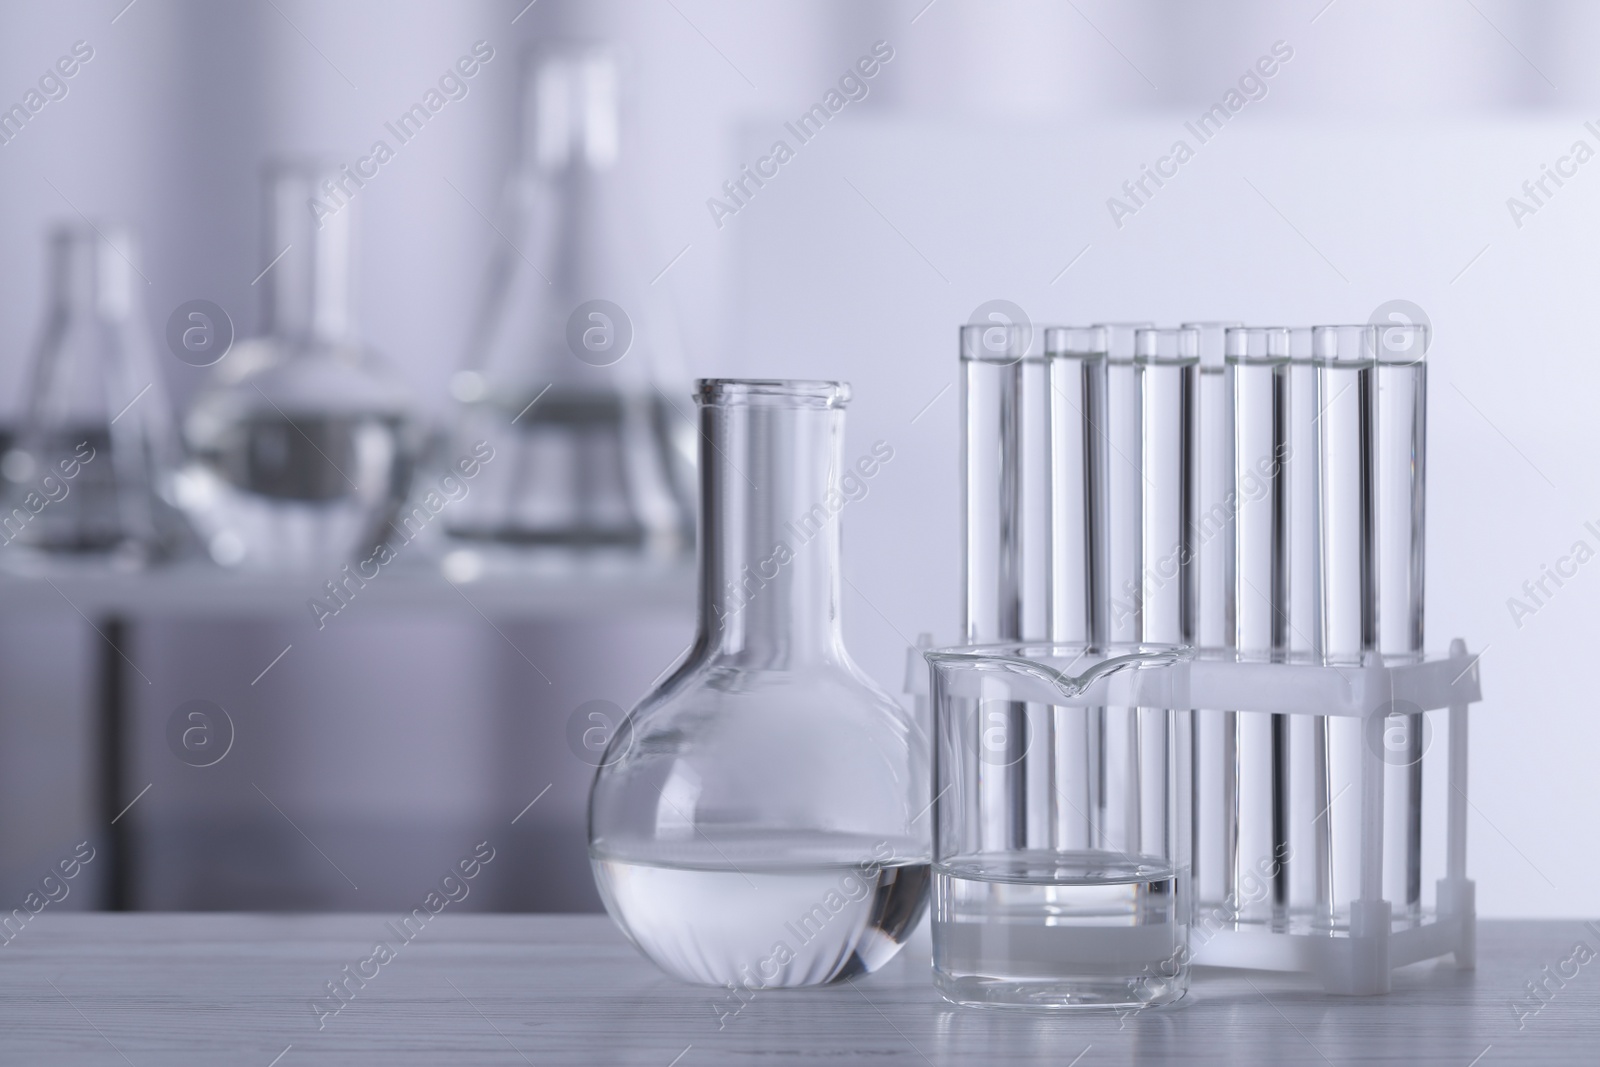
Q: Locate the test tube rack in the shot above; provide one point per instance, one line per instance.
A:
(1260, 488)
(1358, 959)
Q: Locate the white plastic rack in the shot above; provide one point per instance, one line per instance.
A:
(1361, 959)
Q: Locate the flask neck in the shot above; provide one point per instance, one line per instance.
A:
(571, 138)
(91, 276)
(310, 242)
(770, 503)
(570, 112)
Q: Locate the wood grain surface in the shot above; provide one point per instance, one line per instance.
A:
(169, 990)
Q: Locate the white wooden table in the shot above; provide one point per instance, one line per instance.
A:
(166, 990)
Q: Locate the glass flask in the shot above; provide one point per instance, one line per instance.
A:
(85, 474)
(761, 818)
(560, 372)
(303, 442)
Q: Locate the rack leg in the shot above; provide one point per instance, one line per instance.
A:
(1367, 967)
(1456, 892)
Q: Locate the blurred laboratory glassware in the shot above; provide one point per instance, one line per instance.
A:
(761, 818)
(86, 475)
(1020, 920)
(302, 442)
(573, 367)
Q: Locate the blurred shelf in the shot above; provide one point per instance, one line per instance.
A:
(564, 587)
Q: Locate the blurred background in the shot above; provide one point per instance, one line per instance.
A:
(995, 152)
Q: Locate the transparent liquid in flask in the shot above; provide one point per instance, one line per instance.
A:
(709, 911)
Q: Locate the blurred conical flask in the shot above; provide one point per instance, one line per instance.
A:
(572, 372)
(96, 442)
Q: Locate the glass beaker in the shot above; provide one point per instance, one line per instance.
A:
(560, 373)
(303, 441)
(1072, 891)
(84, 478)
(760, 819)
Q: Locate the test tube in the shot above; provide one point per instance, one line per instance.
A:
(1076, 357)
(1034, 440)
(1005, 500)
(1168, 363)
(1346, 405)
(1124, 483)
(1401, 467)
(1214, 521)
(1400, 460)
(1033, 570)
(1258, 370)
(1215, 756)
(991, 481)
(1305, 590)
(1308, 758)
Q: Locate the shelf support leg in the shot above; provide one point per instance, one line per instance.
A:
(111, 730)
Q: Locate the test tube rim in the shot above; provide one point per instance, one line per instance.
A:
(980, 353)
(1368, 347)
(1191, 332)
(1109, 327)
(1230, 357)
(1051, 351)
(1225, 325)
(1382, 329)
